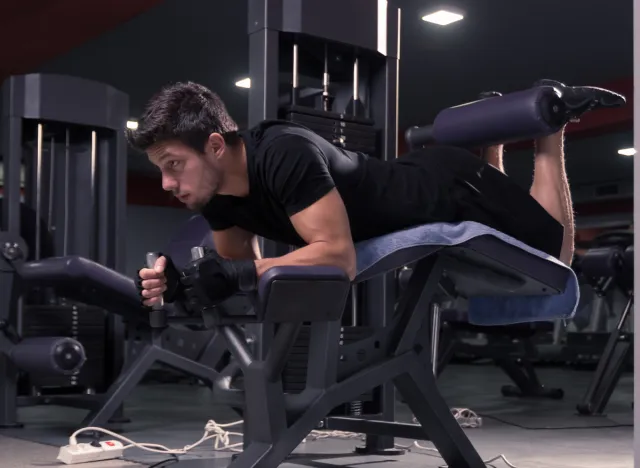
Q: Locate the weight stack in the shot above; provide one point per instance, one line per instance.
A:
(344, 131)
(84, 323)
(295, 371)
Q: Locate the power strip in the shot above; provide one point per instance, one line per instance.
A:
(92, 452)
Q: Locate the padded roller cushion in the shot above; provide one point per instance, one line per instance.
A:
(602, 262)
(512, 117)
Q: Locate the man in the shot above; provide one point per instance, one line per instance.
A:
(283, 182)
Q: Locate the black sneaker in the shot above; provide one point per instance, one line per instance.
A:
(581, 99)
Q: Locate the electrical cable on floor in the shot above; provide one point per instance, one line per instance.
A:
(561, 428)
(165, 463)
(219, 433)
(213, 430)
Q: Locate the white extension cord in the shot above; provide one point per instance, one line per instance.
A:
(87, 452)
(71, 454)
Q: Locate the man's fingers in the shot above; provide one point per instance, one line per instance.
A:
(155, 292)
(150, 273)
(160, 265)
(154, 283)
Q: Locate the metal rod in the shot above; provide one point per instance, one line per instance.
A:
(354, 305)
(325, 76)
(295, 83)
(625, 313)
(94, 209)
(326, 99)
(67, 198)
(435, 337)
(38, 191)
(52, 180)
(356, 84)
(105, 201)
(237, 345)
(295, 66)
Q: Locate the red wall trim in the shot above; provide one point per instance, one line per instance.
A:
(49, 28)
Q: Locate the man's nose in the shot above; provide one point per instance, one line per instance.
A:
(169, 183)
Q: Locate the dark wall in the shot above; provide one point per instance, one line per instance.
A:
(150, 228)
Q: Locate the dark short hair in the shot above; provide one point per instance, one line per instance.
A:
(187, 112)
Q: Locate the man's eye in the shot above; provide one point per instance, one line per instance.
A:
(173, 164)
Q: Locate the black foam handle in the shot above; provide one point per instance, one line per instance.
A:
(419, 136)
(48, 355)
(522, 115)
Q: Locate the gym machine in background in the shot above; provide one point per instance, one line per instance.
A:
(336, 74)
(67, 135)
(608, 264)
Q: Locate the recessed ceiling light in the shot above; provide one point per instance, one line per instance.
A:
(132, 124)
(442, 17)
(244, 83)
(627, 151)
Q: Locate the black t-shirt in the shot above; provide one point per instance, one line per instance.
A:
(290, 168)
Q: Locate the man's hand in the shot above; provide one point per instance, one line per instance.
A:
(212, 279)
(163, 280)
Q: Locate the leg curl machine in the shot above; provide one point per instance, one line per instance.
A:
(511, 347)
(81, 220)
(503, 280)
(153, 337)
(609, 263)
(62, 137)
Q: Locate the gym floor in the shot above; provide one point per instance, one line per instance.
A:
(530, 434)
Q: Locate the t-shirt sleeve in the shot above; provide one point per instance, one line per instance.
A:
(297, 173)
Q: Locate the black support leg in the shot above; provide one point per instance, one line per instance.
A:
(616, 354)
(121, 388)
(214, 351)
(133, 374)
(8, 394)
(418, 387)
(607, 375)
(526, 381)
(377, 444)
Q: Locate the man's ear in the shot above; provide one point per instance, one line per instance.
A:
(216, 144)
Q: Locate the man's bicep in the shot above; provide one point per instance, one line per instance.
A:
(325, 226)
(236, 243)
(326, 220)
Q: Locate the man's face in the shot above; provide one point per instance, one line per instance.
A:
(192, 177)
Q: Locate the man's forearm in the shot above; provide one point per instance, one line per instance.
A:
(318, 253)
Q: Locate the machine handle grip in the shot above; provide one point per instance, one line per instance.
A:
(197, 253)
